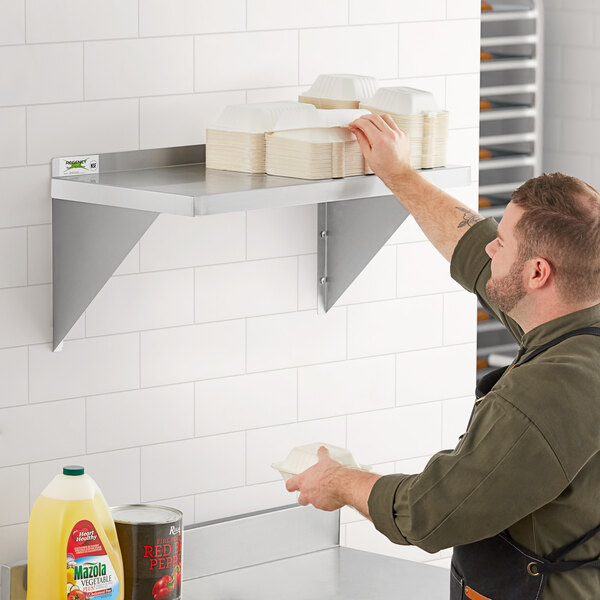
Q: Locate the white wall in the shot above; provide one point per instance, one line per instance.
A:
(572, 89)
(203, 359)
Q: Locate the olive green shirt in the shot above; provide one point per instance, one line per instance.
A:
(530, 461)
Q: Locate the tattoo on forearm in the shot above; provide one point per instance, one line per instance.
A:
(469, 217)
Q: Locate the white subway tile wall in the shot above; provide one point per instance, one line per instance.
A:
(571, 89)
(204, 356)
(14, 385)
(57, 21)
(14, 506)
(12, 22)
(41, 73)
(81, 127)
(13, 127)
(39, 254)
(181, 120)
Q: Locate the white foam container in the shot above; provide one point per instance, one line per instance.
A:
(258, 117)
(342, 86)
(303, 457)
(402, 101)
(317, 118)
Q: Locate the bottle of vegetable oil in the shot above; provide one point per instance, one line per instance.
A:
(72, 547)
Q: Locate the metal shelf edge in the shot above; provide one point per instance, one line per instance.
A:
(314, 192)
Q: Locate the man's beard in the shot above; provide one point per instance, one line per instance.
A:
(508, 291)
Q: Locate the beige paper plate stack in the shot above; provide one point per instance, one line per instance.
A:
(339, 91)
(415, 112)
(237, 141)
(315, 146)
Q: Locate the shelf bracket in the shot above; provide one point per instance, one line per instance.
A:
(350, 233)
(89, 242)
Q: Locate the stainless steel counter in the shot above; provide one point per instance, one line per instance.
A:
(290, 552)
(333, 574)
(293, 552)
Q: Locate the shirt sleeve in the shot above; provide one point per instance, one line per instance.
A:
(470, 267)
(502, 470)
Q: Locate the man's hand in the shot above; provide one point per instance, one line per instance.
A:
(384, 145)
(443, 219)
(316, 485)
(329, 486)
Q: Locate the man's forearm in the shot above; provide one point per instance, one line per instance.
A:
(353, 488)
(443, 219)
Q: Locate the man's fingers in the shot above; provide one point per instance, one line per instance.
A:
(363, 124)
(322, 453)
(302, 499)
(362, 140)
(292, 484)
(377, 121)
(393, 125)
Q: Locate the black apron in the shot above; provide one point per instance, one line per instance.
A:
(498, 568)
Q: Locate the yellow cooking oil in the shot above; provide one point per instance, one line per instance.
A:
(72, 547)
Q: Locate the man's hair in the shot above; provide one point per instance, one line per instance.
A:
(561, 223)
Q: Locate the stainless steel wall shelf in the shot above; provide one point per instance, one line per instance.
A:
(98, 218)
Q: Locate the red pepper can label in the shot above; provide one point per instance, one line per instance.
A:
(151, 541)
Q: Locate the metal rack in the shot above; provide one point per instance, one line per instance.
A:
(511, 130)
(98, 218)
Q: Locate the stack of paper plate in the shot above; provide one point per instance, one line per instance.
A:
(415, 112)
(237, 141)
(315, 145)
(339, 91)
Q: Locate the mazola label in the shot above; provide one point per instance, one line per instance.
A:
(90, 573)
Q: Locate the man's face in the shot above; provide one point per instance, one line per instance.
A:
(505, 288)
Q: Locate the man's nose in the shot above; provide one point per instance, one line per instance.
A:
(490, 249)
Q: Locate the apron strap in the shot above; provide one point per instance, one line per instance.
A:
(558, 340)
(560, 552)
(566, 565)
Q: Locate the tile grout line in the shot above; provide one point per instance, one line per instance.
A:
(236, 433)
(240, 32)
(272, 370)
(231, 90)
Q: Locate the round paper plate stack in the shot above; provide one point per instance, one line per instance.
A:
(415, 112)
(339, 91)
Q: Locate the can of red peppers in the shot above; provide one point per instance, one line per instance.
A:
(151, 543)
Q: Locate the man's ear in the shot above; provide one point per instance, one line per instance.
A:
(539, 273)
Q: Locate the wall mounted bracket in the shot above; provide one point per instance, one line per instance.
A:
(97, 218)
(351, 232)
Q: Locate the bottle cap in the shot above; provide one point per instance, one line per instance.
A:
(73, 470)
